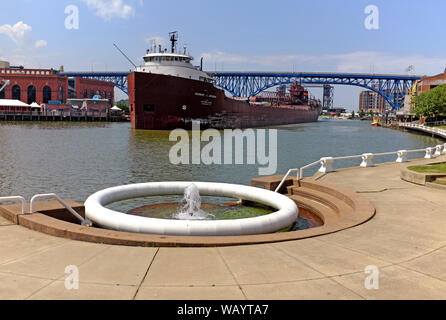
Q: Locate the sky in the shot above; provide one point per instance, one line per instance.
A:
(242, 35)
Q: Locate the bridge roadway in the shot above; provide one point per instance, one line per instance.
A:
(247, 84)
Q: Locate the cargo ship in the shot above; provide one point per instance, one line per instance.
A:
(168, 92)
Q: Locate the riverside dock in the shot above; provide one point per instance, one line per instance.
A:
(436, 132)
(62, 116)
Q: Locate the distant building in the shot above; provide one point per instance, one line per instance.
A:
(431, 82)
(372, 101)
(45, 85)
(333, 111)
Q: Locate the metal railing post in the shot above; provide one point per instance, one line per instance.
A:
(402, 156)
(85, 222)
(367, 160)
(16, 198)
(429, 153)
(285, 177)
(439, 149)
(326, 165)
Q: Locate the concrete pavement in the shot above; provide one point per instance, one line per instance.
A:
(405, 240)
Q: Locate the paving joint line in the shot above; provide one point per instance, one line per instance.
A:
(322, 273)
(41, 250)
(145, 275)
(60, 278)
(232, 274)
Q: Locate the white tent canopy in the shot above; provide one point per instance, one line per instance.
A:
(13, 103)
(35, 105)
(116, 108)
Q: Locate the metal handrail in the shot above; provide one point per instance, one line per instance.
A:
(16, 198)
(301, 170)
(366, 160)
(423, 128)
(85, 222)
(286, 176)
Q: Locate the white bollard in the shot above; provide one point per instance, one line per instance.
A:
(429, 153)
(367, 160)
(439, 149)
(326, 165)
(402, 156)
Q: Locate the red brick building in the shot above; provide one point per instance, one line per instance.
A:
(44, 85)
(431, 82)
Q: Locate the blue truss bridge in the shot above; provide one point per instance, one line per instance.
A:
(248, 84)
(118, 78)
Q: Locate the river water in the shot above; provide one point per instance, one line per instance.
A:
(75, 160)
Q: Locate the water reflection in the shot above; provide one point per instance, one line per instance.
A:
(75, 160)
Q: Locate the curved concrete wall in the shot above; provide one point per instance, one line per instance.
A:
(286, 215)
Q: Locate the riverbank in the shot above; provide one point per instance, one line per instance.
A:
(62, 116)
(405, 241)
(434, 131)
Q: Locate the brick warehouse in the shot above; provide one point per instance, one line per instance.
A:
(44, 85)
(428, 83)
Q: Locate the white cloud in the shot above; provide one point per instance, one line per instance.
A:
(358, 61)
(108, 9)
(17, 33)
(41, 43)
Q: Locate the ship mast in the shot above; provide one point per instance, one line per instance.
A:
(173, 39)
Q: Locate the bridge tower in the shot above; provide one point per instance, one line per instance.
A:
(328, 97)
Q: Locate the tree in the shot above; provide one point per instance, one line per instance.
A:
(431, 103)
(123, 106)
(352, 115)
(361, 113)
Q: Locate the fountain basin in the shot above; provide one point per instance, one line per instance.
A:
(96, 211)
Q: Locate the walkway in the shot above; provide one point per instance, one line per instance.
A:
(406, 240)
(435, 131)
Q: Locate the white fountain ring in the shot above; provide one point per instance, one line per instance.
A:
(285, 216)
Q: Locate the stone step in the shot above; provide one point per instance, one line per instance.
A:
(339, 206)
(326, 214)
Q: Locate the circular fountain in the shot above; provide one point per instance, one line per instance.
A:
(191, 220)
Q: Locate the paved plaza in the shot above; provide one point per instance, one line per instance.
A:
(406, 241)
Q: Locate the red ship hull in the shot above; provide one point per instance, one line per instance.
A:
(161, 102)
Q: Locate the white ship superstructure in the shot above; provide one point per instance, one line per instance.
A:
(159, 61)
